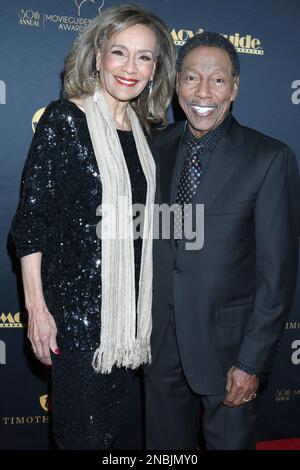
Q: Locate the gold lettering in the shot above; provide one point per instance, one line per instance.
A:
(245, 42)
(181, 36)
(174, 35)
(20, 420)
(292, 325)
(184, 34)
(236, 40)
(10, 320)
(255, 43)
(7, 318)
(25, 419)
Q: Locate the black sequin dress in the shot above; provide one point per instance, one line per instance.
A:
(61, 190)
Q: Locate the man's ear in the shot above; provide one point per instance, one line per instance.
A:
(235, 88)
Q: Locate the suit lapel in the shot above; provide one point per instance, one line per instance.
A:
(222, 163)
(167, 164)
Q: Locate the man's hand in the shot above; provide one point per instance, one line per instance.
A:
(241, 387)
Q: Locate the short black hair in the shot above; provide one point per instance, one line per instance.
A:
(210, 39)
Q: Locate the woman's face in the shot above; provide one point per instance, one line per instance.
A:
(127, 63)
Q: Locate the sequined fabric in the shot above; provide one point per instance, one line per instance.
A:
(87, 408)
(61, 190)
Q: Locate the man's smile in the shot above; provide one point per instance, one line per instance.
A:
(203, 111)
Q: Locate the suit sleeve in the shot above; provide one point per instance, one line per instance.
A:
(277, 229)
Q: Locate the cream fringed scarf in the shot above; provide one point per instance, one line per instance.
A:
(120, 345)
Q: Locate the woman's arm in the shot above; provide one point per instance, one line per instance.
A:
(41, 325)
(36, 212)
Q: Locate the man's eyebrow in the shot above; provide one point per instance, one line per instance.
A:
(217, 68)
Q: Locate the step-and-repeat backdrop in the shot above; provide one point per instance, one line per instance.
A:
(35, 36)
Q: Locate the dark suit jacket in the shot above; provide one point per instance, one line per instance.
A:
(232, 297)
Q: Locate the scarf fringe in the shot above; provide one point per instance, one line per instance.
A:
(132, 357)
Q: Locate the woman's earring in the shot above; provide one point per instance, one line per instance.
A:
(150, 86)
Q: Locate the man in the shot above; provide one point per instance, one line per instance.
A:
(218, 311)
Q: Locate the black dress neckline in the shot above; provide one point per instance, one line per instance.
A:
(74, 106)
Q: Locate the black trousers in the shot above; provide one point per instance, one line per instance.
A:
(173, 417)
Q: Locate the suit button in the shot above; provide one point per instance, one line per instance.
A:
(170, 305)
(178, 269)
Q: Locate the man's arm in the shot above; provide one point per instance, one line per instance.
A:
(277, 227)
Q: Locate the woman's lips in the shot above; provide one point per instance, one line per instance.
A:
(128, 82)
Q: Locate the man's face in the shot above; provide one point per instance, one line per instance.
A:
(206, 88)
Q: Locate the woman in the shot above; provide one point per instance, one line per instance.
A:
(89, 148)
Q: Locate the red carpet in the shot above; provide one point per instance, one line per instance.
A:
(280, 444)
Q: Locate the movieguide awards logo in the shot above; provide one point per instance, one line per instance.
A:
(282, 395)
(36, 117)
(244, 43)
(44, 403)
(63, 22)
(12, 320)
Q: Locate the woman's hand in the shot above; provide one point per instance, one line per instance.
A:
(42, 333)
(42, 329)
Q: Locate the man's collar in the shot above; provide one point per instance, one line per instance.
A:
(210, 139)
